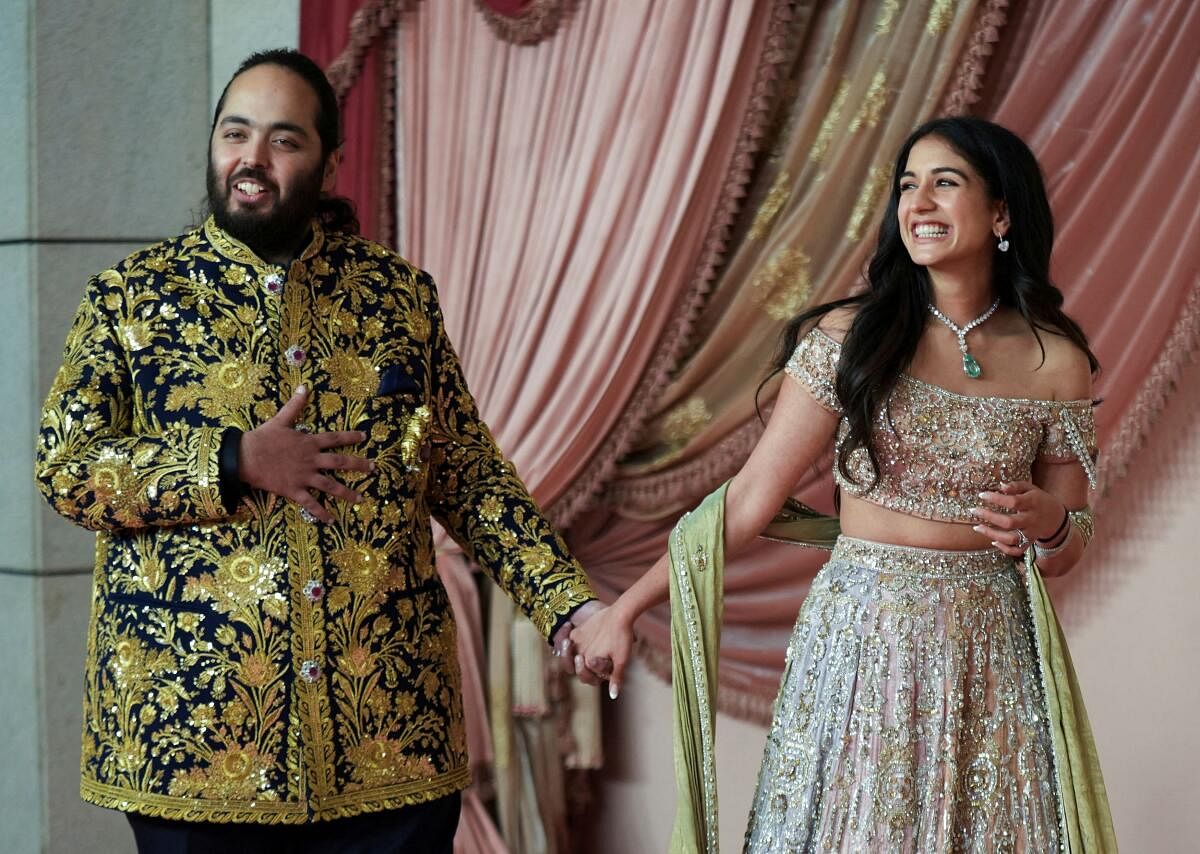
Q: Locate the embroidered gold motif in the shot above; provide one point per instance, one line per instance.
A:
(941, 13)
(887, 16)
(685, 421)
(782, 286)
(352, 376)
(220, 686)
(869, 198)
(780, 190)
(825, 135)
(871, 109)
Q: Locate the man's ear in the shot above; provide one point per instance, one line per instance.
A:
(332, 162)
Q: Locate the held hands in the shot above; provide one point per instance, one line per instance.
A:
(604, 643)
(564, 646)
(278, 458)
(1030, 513)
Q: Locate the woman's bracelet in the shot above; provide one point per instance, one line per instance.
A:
(1083, 522)
(1042, 552)
(1053, 538)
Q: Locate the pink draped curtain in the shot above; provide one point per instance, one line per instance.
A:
(563, 196)
(1108, 96)
(567, 197)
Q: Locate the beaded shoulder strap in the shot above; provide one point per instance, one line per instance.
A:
(1079, 446)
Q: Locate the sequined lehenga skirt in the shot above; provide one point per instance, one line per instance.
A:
(910, 716)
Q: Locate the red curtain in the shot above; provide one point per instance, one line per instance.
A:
(325, 31)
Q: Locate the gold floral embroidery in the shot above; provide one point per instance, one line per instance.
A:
(685, 421)
(941, 13)
(886, 17)
(871, 109)
(227, 388)
(352, 375)
(825, 135)
(235, 773)
(780, 190)
(362, 568)
(783, 284)
(868, 200)
(256, 667)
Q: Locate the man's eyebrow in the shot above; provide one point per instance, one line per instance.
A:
(288, 126)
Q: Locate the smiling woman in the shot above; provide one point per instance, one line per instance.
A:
(918, 709)
(946, 213)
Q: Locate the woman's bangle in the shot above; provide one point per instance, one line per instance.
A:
(1058, 531)
(1041, 552)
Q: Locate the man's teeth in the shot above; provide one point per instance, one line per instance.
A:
(931, 231)
(248, 188)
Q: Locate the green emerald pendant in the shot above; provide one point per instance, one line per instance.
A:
(971, 367)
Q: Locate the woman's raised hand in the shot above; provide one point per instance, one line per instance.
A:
(1027, 513)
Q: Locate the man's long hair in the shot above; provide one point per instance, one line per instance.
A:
(336, 213)
(893, 310)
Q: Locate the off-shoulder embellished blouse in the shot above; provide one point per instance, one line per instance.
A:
(937, 450)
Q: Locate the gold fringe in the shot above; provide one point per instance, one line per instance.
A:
(536, 22)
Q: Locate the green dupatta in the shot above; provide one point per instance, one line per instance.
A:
(697, 552)
(1085, 821)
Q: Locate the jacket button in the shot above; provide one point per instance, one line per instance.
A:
(310, 671)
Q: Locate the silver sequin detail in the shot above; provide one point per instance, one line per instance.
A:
(691, 621)
(937, 449)
(910, 716)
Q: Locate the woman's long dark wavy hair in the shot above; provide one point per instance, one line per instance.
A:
(337, 213)
(893, 311)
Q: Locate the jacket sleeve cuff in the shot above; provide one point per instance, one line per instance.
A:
(230, 479)
(562, 619)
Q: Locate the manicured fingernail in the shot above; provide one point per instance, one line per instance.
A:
(299, 390)
(578, 663)
(557, 652)
(984, 495)
(978, 529)
(612, 690)
(996, 544)
(976, 510)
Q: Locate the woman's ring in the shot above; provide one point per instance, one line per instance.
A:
(1023, 542)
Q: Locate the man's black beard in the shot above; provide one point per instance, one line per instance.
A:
(272, 234)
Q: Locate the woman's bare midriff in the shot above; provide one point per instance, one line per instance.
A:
(867, 521)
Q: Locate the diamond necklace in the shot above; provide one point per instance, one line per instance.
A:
(971, 366)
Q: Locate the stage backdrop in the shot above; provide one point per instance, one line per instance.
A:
(623, 207)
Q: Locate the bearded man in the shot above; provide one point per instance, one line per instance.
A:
(259, 418)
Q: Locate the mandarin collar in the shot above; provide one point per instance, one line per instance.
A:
(234, 250)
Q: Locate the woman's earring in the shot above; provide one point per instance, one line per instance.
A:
(1003, 244)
